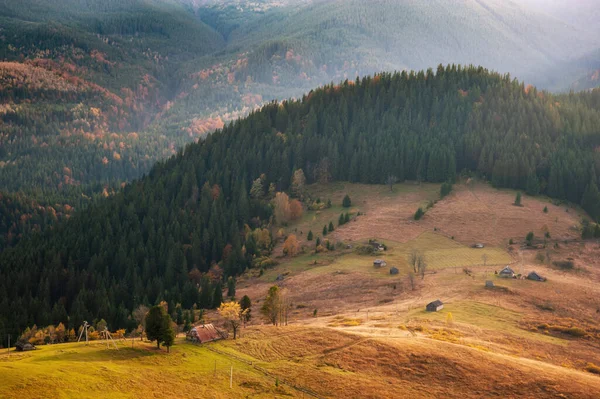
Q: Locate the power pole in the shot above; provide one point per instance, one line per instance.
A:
(231, 378)
(8, 345)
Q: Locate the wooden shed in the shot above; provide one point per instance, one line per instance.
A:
(435, 306)
(379, 263)
(23, 346)
(535, 277)
(507, 272)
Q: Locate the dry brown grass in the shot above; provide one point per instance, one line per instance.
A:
(470, 214)
(340, 365)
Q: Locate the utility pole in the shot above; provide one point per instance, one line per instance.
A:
(8, 345)
(231, 378)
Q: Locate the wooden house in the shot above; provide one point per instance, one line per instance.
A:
(507, 272)
(204, 333)
(435, 306)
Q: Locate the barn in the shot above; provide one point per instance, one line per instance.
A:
(204, 333)
(435, 306)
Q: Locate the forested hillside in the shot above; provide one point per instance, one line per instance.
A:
(106, 88)
(162, 236)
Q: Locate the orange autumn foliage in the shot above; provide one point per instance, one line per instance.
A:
(296, 209)
(291, 246)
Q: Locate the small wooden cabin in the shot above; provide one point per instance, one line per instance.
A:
(507, 272)
(535, 277)
(379, 263)
(435, 306)
(23, 346)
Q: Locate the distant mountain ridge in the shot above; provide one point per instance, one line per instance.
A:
(105, 88)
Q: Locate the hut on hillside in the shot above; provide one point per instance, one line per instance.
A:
(394, 271)
(204, 333)
(535, 277)
(435, 306)
(23, 346)
(379, 263)
(507, 272)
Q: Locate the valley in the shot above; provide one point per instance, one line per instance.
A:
(299, 198)
(354, 330)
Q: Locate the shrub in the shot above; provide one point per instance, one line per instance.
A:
(592, 368)
(564, 264)
(364, 250)
(346, 202)
(445, 189)
(545, 209)
(518, 199)
(529, 238)
(419, 214)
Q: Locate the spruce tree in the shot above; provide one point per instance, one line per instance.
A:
(217, 296)
(231, 287)
(518, 199)
(346, 202)
(324, 231)
(419, 214)
(309, 236)
(330, 227)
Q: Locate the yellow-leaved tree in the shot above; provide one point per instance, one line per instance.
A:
(232, 312)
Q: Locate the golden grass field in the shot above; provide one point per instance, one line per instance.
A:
(371, 336)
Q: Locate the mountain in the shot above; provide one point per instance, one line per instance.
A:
(106, 88)
(209, 209)
(81, 82)
(581, 13)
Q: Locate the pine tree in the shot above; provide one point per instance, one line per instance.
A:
(324, 231)
(217, 296)
(330, 227)
(309, 236)
(346, 202)
(231, 287)
(155, 324)
(419, 214)
(518, 199)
